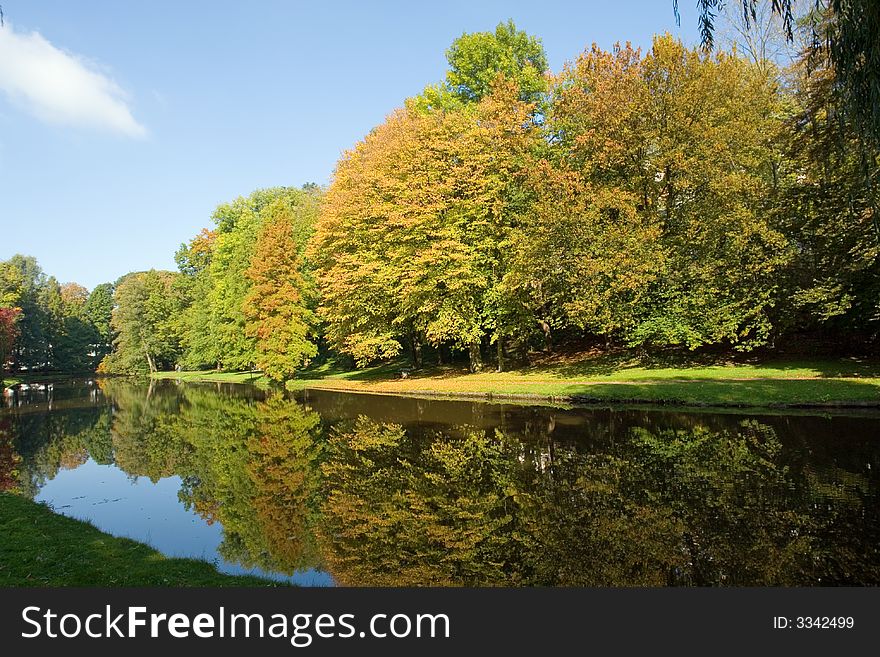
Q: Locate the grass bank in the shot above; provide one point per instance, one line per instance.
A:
(41, 548)
(613, 378)
(214, 376)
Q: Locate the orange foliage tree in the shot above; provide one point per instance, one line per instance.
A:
(276, 308)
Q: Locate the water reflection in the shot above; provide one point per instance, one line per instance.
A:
(410, 492)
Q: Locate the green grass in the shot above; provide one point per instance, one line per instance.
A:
(41, 548)
(770, 392)
(619, 378)
(213, 376)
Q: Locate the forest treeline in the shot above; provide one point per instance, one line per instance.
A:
(665, 198)
(46, 325)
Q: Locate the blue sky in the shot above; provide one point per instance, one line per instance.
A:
(123, 124)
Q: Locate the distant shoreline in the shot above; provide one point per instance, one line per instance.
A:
(841, 384)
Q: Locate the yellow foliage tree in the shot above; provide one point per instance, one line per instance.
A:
(410, 244)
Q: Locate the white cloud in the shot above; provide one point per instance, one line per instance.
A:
(60, 87)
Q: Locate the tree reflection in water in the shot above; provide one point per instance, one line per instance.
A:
(484, 503)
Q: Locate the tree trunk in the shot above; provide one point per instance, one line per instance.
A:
(546, 328)
(499, 342)
(415, 350)
(150, 362)
(475, 356)
(440, 354)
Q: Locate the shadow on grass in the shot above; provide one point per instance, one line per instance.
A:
(335, 370)
(575, 365)
(392, 370)
(606, 364)
(805, 392)
(852, 367)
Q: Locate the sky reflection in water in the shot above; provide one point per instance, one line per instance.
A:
(336, 488)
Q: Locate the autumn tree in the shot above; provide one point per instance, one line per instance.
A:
(352, 247)
(215, 284)
(277, 307)
(412, 240)
(8, 334)
(671, 159)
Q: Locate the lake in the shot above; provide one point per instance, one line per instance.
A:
(325, 488)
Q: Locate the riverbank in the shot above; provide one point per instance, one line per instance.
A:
(41, 548)
(849, 382)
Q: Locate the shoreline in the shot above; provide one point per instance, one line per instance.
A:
(579, 400)
(840, 384)
(769, 386)
(40, 547)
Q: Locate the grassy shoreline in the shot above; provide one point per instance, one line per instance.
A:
(39, 547)
(838, 383)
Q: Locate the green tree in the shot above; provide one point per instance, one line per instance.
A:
(11, 282)
(98, 312)
(194, 260)
(75, 339)
(145, 323)
(475, 61)
(24, 281)
(238, 224)
(53, 325)
(52, 306)
(827, 206)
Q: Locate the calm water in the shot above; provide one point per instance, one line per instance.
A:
(332, 488)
